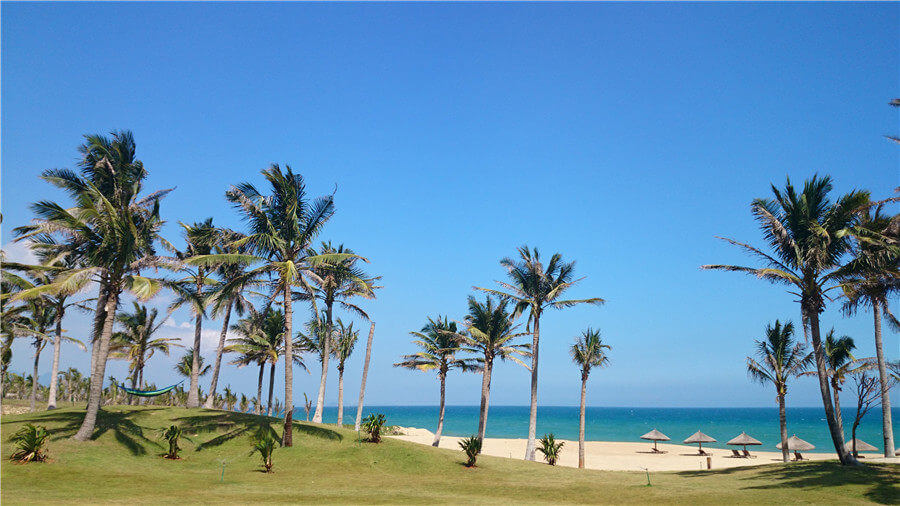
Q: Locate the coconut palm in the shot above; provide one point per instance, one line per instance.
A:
(490, 334)
(336, 283)
(868, 281)
(840, 363)
(588, 352)
(535, 287)
(780, 359)
(41, 316)
(244, 403)
(110, 229)
(283, 226)
(808, 234)
(345, 339)
(185, 365)
(135, 342)
(439, 348)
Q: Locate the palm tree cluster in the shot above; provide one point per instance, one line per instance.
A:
(108, 237)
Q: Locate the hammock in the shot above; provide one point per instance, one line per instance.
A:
(148, 393)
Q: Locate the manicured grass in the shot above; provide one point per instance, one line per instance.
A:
(327, 464)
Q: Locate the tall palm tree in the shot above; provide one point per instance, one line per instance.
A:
(809, 234)
(228, 295)
(345, 340)
(136, 343)
(780, 359)
(337, 283)
(185, 365)
(840, 363)
(588, 352)
(490, 334)
(111, 229)
(870, 279)
(439, 348)
(536, 287)
(41, 316)
(283, 225)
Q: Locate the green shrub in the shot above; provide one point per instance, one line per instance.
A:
(171, 435)
(264, 442)
(30, 441)
(472, 446)
(550, 447)
(373, 424)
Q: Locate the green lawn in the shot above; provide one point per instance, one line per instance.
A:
(326, 464)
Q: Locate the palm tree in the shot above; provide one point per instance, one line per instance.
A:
(229, 397)
(283, 225)
(490, 333)
(337, 282)
(840, 363)
(345, 339)
(780, 359)
(244, 404)
(809, 235)
(439, 348)
(536, 287)
(41, 316)
(869, 280)
(136, 343)
(587, 352)
(228, 295)
(110, 230)
(185, 366)
(365, 374)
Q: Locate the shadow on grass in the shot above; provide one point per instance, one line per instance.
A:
(880, 480)
(233, 425)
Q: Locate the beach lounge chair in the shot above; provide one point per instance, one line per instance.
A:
(747, 454)
(797, 456)
(736, 454)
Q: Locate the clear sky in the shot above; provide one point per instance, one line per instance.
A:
(625, 136)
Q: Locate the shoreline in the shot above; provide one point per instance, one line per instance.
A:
(625, 456)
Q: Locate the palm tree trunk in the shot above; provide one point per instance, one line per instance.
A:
(584, 378)
(326, 352)
(836, 390)
(54, 370)
(193, 400)
(219, 349)
(887, 425)
(834, 423)
(90, 417)
(271, 390)
(365, 373)
(437, 434)
(287, 439)
(99, 322)
(532, 414)
(34, 376)
(782, 424)
(340, 418)
(262, 368)
(485, 395)
(134, 382)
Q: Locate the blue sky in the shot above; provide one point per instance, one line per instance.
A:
(625, 136)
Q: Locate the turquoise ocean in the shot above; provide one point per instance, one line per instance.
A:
(627, 424)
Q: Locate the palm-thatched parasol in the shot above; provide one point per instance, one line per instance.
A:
(744, 440)
(861, 446)
(795, 444)
(699, 438)
(655, 435)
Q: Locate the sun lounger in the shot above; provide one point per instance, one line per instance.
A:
(747, 454)
(736, 454)
(797, 456)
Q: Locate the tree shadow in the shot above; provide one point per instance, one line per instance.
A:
(880, 479)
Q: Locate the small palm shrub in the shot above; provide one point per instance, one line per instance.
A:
(472, 447)
(264, 443)
(373, 424)
(30, 441)
(171, 435)
(550, 447)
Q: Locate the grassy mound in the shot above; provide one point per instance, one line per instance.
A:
(123, 463)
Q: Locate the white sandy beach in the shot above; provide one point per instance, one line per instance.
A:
(618, 456)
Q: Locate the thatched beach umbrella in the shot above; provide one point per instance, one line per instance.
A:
(795, 444)
(655, 435)
(861, 446)
(744, 440)
(699, 438)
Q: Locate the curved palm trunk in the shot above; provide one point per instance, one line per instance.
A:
(365, 373)
(219, 349)
(437, 434)
(271, 390)
(340, 418)
(54, 370)
(34, 376)
(834, 422)
(287, 439)
(485, 395)
(90, 417)
(532, 414)
(887, 425)
(262, 368)
(782, 424)
(326, 352)
(584, 378)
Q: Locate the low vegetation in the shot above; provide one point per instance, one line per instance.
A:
(550, 447)
(471, 446)
(373, 425)
(30, 441)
